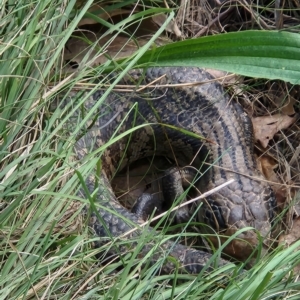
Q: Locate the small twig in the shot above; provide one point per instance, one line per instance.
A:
(130, 88)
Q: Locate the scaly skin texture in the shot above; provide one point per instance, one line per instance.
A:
(202, 109)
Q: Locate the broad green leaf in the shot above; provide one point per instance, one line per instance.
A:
(265, 54)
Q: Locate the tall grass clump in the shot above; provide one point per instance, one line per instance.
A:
(45, 247)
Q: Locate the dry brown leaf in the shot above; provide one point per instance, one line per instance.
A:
(267, 165)
(266, 127)
(296, 194)
(82, 46)
(139, 178)
(293, 236)
(77, 48)
(172, 27)
(105, 15)
(282, 96)
(288, 109)
(241, 248)
(224, 77)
